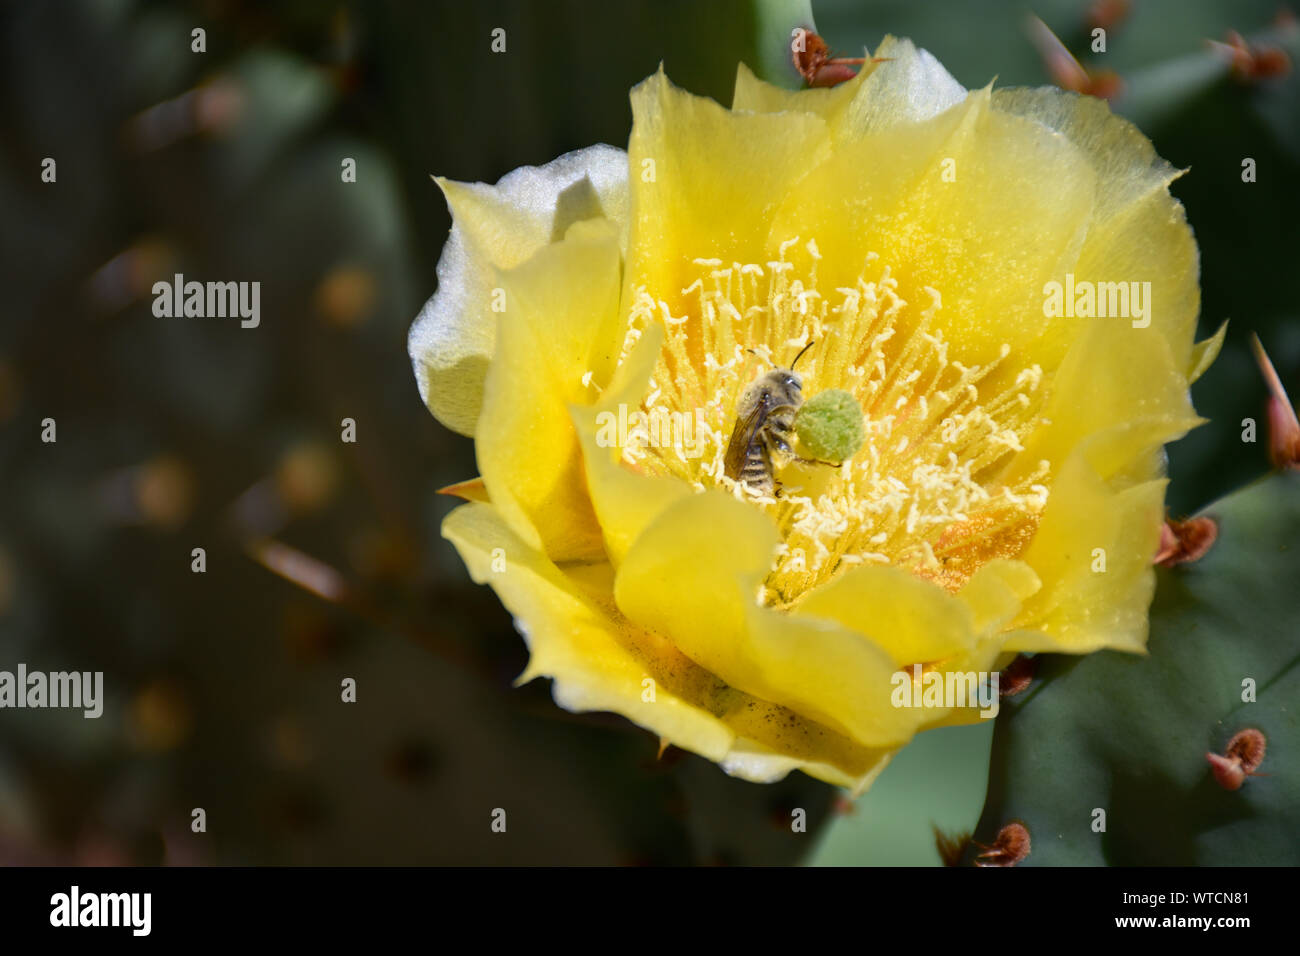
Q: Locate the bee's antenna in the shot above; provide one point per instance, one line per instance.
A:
(800, 355)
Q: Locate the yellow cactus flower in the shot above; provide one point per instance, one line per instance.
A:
(1001, 280)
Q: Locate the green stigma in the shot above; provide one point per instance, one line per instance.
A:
(830, 425)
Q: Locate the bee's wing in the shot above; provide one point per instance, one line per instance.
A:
(741, 438)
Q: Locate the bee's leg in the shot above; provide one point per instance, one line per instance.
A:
(778, 442)
(778, 448)
(775, 448)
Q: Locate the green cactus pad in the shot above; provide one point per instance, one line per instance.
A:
(1129, 734)
(830, 425)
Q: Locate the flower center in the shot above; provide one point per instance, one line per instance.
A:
(922, 493)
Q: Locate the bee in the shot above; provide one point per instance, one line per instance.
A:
(764, 423)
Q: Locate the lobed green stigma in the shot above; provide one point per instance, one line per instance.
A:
(830, 425)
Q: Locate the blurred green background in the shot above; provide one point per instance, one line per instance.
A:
(223, 687)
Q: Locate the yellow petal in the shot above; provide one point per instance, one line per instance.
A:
(705, 182)
(1126, 163)
(572, 638)
(560, 323)
(756, 96)
(625, 501)
(1136, 400)
(601, 661)
(909, 86)
(1138, 231)
(997, 591)
(1205, 352)
(752, 761)
(958, 237)
(1150, 242)
(1093, 552)
(693, 575)
(493, 228)
(912, 620)
(471, 489)
(826, 670)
